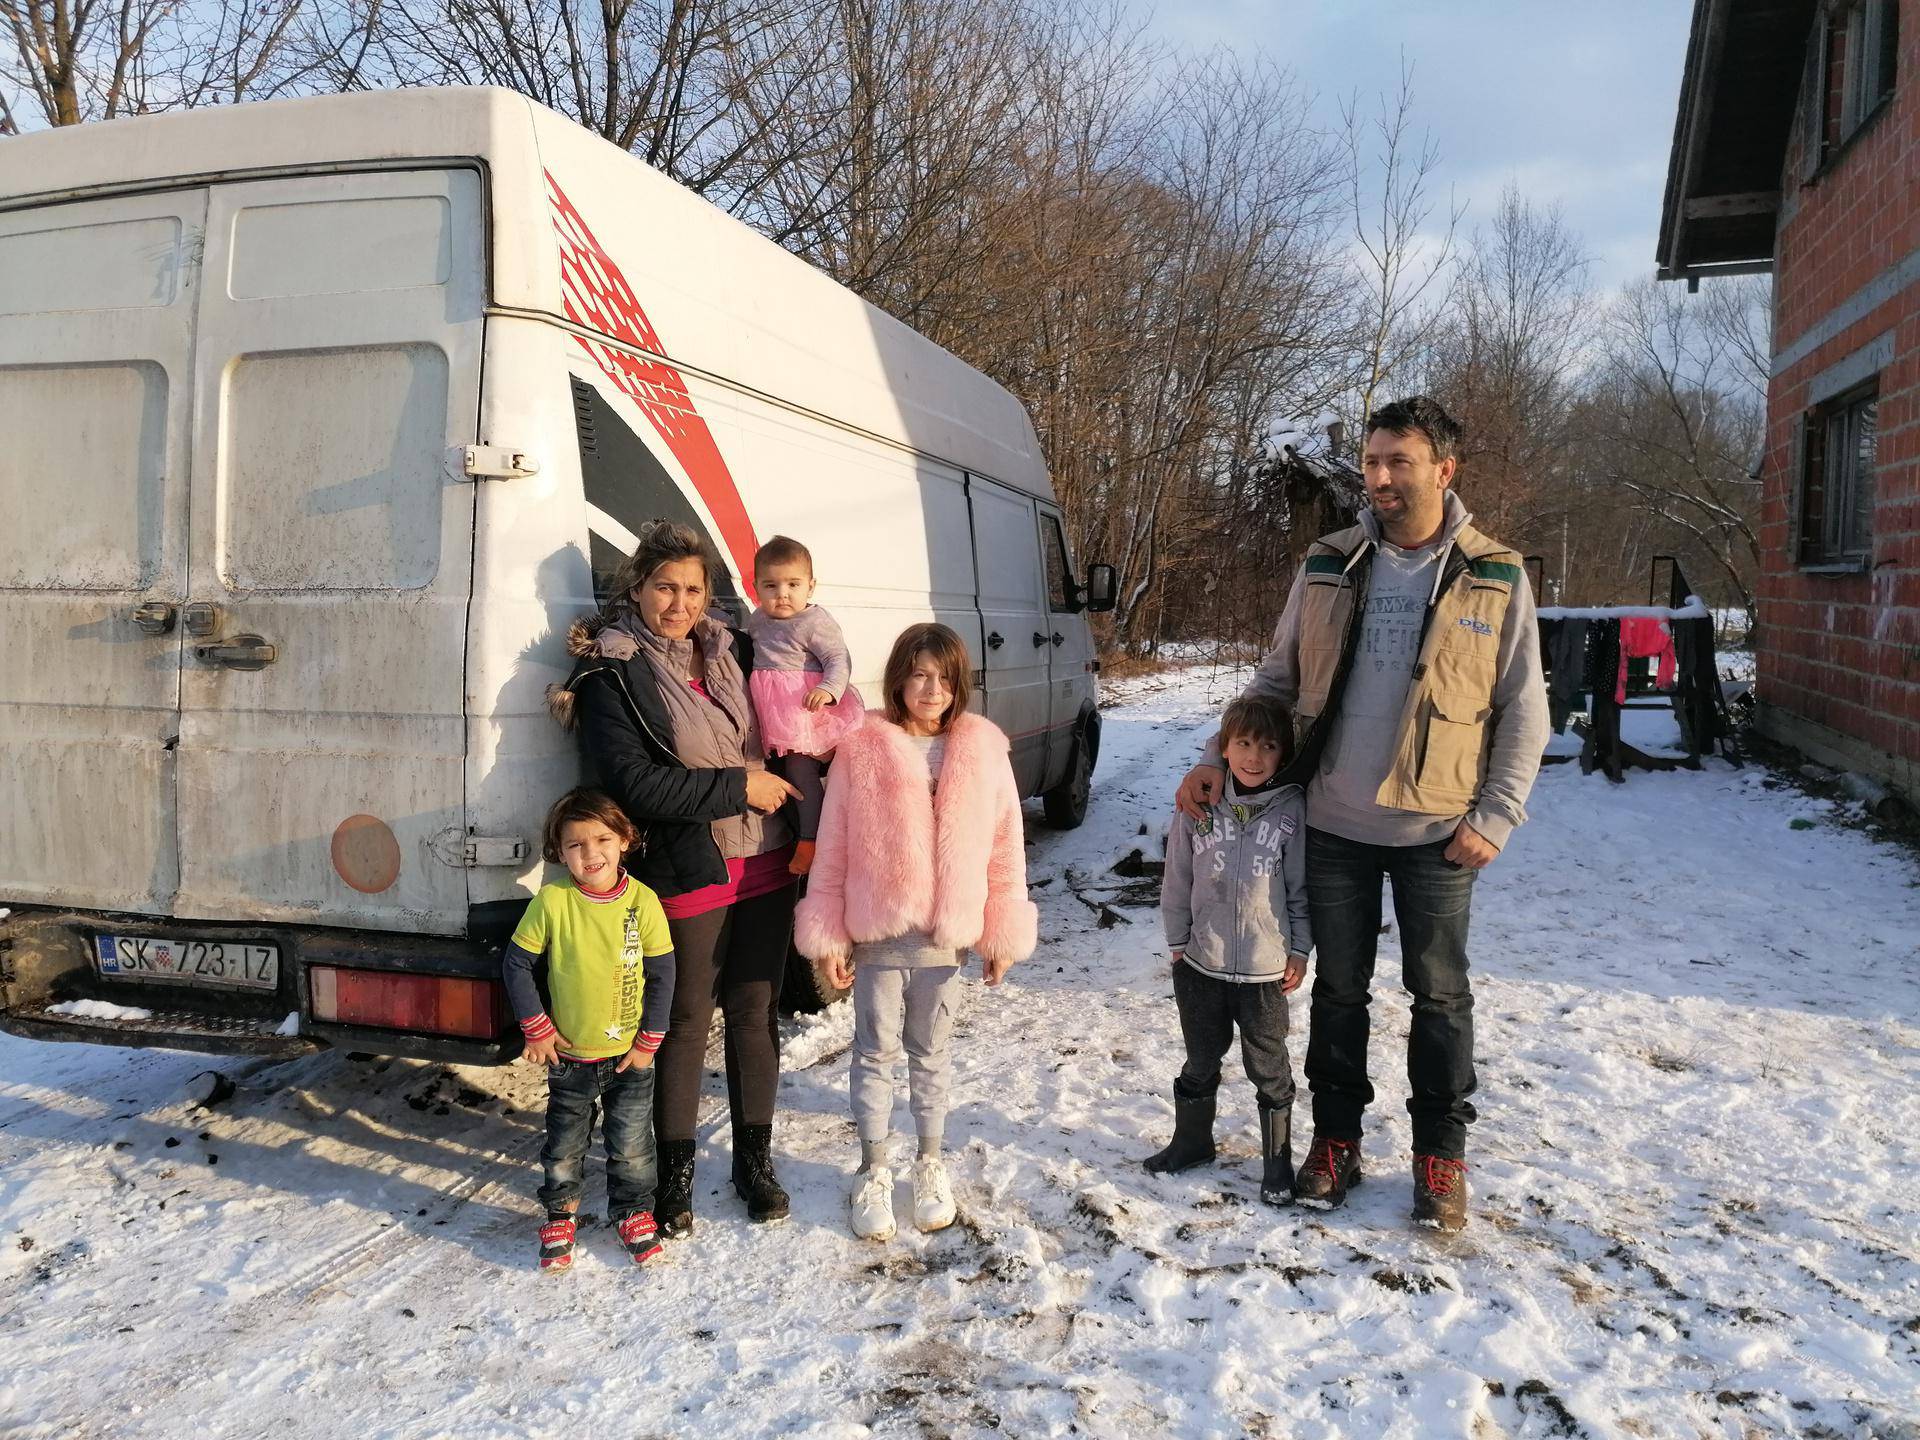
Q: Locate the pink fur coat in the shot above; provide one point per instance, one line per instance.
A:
(893, 858)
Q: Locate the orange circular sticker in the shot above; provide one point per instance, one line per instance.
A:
(365, 854)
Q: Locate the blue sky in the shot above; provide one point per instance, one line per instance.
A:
(1574, 101)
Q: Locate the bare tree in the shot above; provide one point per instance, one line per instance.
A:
(1405, 274)
(69, 61)
(1676, 414)
(73, 58)
(1505, 362)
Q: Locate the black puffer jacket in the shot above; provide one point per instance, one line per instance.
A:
(626, 749)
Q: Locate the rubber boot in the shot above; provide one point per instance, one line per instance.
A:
(753, 1178)
(1192, 1142)
(673, 1206)
(1276, 1153)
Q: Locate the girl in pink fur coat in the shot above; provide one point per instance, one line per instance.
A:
(920, 856)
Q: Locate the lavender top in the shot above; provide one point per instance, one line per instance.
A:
(811, 640)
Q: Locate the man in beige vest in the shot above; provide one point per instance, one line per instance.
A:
(1409, 655)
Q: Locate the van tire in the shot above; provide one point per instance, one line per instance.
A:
(1065, 805)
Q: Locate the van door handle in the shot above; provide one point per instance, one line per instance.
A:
(1038, 639)
(242, 652)
(995, 640)
(1058, 638)
(155, 617)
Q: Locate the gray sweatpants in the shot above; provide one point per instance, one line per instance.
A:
(898, 1008)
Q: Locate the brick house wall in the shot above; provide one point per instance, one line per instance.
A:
(1838, 654)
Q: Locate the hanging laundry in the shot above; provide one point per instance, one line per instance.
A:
(1642, 636)
(1565, 642)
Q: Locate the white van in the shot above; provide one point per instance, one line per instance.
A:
(321, 418)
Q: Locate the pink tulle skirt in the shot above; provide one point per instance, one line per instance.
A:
(780, 701)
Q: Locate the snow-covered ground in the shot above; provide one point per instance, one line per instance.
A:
(1694, 1207)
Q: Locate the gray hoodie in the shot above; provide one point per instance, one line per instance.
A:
(1234, 896)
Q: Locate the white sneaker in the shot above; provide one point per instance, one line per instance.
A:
(932, 1194)
(872, 1202)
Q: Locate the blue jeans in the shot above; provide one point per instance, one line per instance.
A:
(1431, 902)
(575, 1089)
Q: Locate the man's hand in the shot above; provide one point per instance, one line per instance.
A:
(1295, 973)
(543, 1052)
(1470, 848)
(635, 1059)
(819, 698)
(767, 792)
(838, 970)
(1179, 958)
(1200, 789)
(995, 969)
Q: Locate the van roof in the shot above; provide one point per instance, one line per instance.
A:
(723, 300)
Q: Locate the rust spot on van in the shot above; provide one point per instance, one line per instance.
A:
(365, 854)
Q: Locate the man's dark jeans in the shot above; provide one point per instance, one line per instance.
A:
(1431, 900)
(575, 1089)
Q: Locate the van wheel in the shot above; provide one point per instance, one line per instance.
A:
(1066, 804)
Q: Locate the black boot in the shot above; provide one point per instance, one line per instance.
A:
(673, 1206)
(753, 1178)
(1276, 1150)
(1192, 1142)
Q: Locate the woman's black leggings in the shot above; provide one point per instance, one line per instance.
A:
(735, 957)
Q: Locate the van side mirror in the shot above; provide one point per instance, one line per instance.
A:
(1101, 589)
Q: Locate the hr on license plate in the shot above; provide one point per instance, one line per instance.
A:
(198, 962)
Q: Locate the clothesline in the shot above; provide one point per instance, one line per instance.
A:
(1694, 609)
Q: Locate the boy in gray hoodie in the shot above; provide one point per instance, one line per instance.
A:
(1234, 903)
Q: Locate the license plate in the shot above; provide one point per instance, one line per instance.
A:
(197, 962)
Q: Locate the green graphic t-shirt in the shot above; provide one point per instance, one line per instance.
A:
(593, 950)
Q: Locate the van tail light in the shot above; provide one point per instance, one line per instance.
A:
(388, 1000)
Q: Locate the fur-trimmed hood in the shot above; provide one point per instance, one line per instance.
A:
(582, 636)
(894, 858)
(583, 645)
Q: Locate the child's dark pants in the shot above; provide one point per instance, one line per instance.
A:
(575, 1089)
(806, 773)
(1209, 1011)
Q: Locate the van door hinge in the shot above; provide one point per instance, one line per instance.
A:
(479, 852)
(498, 462)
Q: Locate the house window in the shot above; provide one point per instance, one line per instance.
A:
(1861, 43)
(1837, 489)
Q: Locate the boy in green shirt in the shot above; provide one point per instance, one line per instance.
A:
(590, 973)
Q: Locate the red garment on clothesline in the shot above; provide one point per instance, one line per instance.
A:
(1642, 636)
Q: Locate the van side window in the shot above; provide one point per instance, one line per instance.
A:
(1061, 591)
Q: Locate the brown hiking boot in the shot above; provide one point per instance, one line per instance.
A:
(1331, 1169)
(1439, 1192)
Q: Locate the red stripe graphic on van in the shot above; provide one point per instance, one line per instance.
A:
(597, 296)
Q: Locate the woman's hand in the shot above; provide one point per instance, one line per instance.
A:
(819, 698)
(767, 792)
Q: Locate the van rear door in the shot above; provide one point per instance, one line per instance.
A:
(96, 389)
(322, 722)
